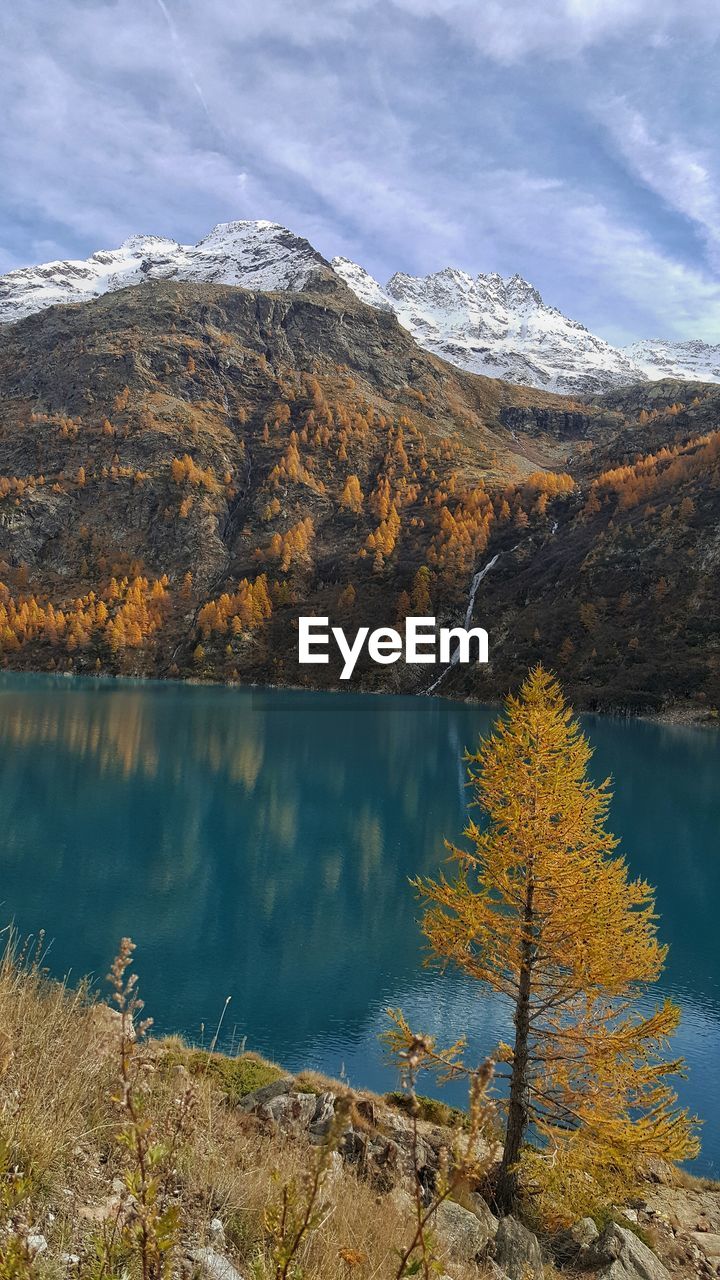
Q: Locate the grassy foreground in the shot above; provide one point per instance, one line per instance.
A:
(70, 1156)
(124, 1158)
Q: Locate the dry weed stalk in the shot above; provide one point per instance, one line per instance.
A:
(459, 1165)
(146, 1224)
(301, 1210)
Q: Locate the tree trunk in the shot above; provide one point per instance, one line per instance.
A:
(507, 1184)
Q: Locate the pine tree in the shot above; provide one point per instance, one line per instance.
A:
(544, 914)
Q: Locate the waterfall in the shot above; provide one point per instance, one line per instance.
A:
(477, 579)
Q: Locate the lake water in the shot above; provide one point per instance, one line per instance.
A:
(257, 844)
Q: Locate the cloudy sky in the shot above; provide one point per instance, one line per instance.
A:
(573, 141)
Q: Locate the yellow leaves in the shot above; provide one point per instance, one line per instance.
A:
(293, 546)
(550, 483)
(185, 471)
(292, 468)
(121, 400)
(244, 610)
(542, 911)
(383, 540)
(138, 612)
(352, 496)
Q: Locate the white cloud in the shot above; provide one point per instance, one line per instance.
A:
(681, 175)
(511, 30)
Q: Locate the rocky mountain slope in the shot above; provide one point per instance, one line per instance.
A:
(185, 468)
(165, 448)
(487, 324)
(620, 590)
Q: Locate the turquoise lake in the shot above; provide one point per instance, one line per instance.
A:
(257, 844)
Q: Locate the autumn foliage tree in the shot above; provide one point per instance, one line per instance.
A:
(541, 912)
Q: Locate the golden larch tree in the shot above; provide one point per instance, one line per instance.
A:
(543, 913)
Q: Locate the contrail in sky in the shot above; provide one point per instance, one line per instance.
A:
(183, 59)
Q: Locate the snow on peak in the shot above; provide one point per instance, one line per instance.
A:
(254, 255)
(496, 326)
(693, 359)
(362, 283)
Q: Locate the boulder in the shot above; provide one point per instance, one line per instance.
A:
(37, 1245)
(654, 1169)
(625, 1257)
(260, 1097)
(216, 1233)
(708, 1243)
(462, 1232)
(572, 1245)
(213, 1265)
(289, 1110)
(322, 1116)
(483, 1213)
(365, 1108)
(403, 1201)
(517, 1251)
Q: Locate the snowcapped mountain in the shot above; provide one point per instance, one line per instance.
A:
(255, 255)
(499, 327)
(486, 324)
(695, 360)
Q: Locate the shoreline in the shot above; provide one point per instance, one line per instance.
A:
(680, 714)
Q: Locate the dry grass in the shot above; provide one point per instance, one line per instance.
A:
(59, 1126)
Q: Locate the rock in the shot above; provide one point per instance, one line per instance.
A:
(323, 1115)
(289, 1109)
(396, 1123)
(685, 1210)
(483, 1213)
(216, 1233)
(517, 1251)
(214, 1265)
(628, 1257)
(261, 1097)
(573, 1244)
(403, 1201)
(708, 1243)
(658, 1171)
(37, 1245)
(383, 1162)
(365, 1108)
(334, 1168)
(462, 1232)
(353, 1146)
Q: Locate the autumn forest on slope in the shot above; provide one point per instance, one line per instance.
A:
(184, 468)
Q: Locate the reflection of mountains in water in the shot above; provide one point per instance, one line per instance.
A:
(252, 830)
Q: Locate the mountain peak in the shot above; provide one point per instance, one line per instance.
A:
(518, 289)
(145, 244)
(489, 324)
(252, 254)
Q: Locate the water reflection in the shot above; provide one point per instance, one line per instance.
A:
(258, 843)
